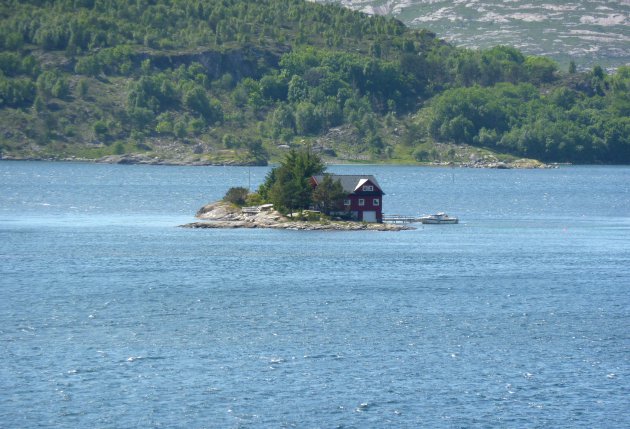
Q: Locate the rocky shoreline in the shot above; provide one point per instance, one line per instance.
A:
(135, 159)
(225, 215)
(143, 159)
(524, 164)
(146, 159)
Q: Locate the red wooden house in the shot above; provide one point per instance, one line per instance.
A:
(364, 201)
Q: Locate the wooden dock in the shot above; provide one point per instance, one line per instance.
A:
(395, 218)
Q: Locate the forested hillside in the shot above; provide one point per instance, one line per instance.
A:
(236, 81)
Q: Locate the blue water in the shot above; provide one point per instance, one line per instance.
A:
(111, 316)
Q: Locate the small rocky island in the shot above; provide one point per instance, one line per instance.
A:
(222, 214)
(298, 195)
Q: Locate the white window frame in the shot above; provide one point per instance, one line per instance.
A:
(346, 202)
(368, 188)
(361, 202)
(376, 202)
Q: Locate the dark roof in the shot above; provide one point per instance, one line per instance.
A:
(350, 182)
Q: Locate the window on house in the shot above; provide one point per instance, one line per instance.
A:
(368, 188)
(346, 202)
(361, 202)
(376, 202)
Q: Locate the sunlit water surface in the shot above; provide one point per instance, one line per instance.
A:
(111, 316)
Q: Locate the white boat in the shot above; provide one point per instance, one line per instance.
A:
(438, 219)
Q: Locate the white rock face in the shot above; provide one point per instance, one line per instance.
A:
(220, 211)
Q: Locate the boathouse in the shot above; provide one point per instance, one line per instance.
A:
(364, 200)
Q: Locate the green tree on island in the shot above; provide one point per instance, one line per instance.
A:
(236, 195)
(288, 186)
(328, 195)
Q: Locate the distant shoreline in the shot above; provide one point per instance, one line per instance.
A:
(135, 159)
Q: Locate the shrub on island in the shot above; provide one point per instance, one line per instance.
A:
(236, 195)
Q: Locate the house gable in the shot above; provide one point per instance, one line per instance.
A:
(367, 186)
